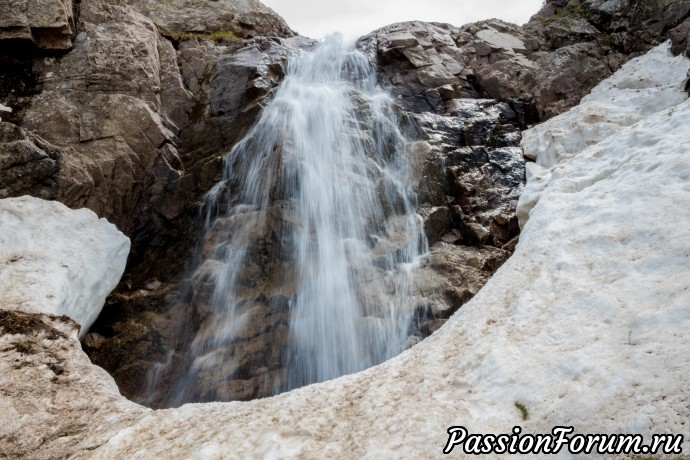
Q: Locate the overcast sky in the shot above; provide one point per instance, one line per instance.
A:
(353, 18)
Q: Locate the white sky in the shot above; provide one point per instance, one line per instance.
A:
(353, 18)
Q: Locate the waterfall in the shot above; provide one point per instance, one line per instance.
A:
(315, 206)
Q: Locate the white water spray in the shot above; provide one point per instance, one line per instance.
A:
(327, 160)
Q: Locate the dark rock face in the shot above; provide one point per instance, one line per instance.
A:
(680, 36)
(230, 83)
(548, 64)
(469, 172)
(43, 24)
(28, 164)
(613, 30)
(474, 171)
(427, 65)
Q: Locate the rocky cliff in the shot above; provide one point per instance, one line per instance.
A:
(541, 68)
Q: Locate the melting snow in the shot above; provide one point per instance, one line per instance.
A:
(58, 261)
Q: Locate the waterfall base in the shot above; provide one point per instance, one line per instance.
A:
(314, 261)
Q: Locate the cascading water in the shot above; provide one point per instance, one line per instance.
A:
(321, 180)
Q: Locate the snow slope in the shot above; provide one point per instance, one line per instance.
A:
(643, 86)
(588, 324)
(56, 260)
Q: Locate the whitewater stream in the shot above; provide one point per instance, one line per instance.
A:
(327, 153)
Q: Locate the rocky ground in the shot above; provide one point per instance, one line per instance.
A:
(127, 108)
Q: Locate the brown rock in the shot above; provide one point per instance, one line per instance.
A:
(680, 37)
(44, 24)
(28, 164)
(224, 19)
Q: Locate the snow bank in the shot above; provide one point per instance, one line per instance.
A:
(4, 108)
(588, 325)
(644, 86)
(56, 260)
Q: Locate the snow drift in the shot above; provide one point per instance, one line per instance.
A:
(58, 261)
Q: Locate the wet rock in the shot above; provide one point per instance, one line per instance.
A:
(469, 197)
(450, 278)
(231, 83)
(133, 335)
(437, 223)
(469, 170)
(473, 170)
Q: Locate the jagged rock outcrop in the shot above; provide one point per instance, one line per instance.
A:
(469, 173)
(426, 65)
(473, 168)
(213, 18)
(28, 164)
(439, 63)
(45, 24)
(548, 64)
